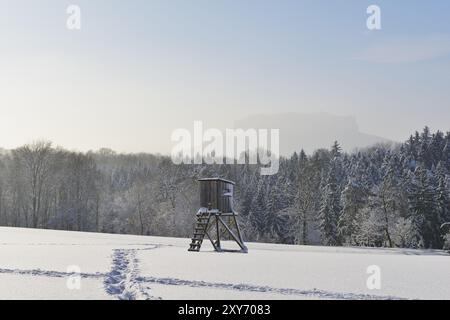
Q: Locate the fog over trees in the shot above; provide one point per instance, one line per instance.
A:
(393, 196)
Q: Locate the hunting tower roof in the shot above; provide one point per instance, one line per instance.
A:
(216, 179)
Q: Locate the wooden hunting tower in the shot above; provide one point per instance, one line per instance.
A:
(216, 218)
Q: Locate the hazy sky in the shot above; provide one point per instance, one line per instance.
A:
(139, 69)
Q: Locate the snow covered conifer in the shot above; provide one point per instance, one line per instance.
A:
(353, 199)
(424, 210)
(330, 208)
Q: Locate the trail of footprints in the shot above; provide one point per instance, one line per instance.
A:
(124, 282)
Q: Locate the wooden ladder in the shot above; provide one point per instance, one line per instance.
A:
(200, 230)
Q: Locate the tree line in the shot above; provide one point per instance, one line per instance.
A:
(386, 195)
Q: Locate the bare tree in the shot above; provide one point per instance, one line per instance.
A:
(35, 161)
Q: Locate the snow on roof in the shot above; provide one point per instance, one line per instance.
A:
(217, 179)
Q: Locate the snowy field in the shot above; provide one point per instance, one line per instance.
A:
(39, 264)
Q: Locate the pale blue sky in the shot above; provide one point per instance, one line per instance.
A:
(139, 69)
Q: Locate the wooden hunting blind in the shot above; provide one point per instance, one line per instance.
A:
(216, 218)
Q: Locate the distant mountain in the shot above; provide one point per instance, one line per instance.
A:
(311, 131)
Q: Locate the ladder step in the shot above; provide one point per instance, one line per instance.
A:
(200, 228)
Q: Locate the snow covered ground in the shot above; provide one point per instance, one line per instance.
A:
(40, 264)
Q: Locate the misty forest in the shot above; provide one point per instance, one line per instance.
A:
(391, 195)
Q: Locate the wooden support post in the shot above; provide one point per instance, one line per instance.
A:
(218, 233)
(239, 231)
(238, 240)
(212, 242)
